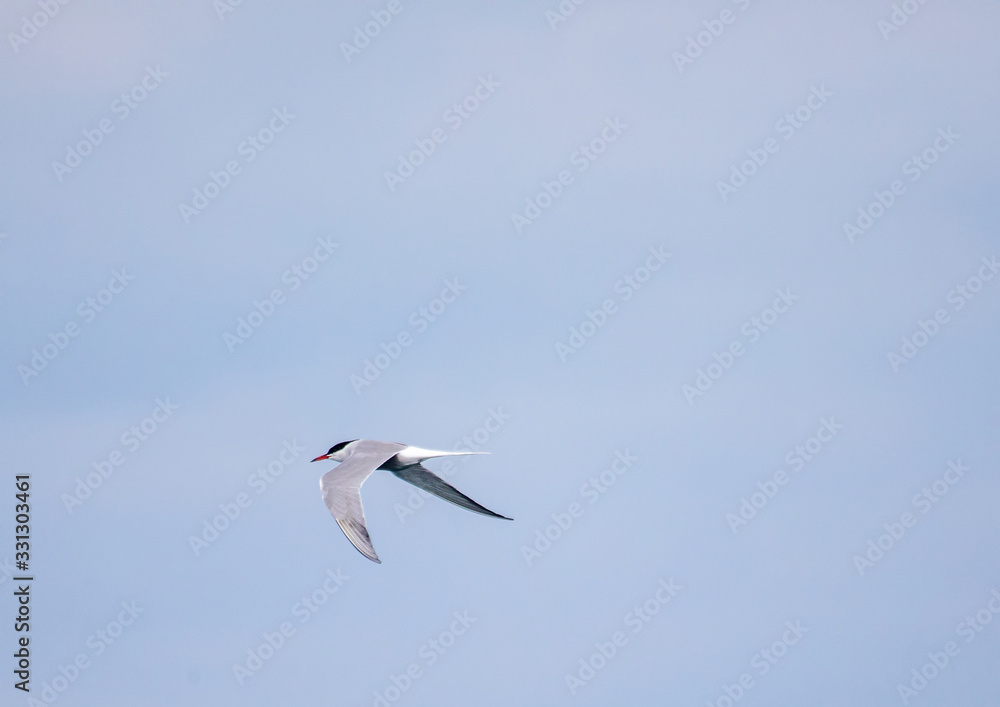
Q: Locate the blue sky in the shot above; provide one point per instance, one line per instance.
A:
(713, 283)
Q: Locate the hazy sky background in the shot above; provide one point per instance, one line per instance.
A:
(493, 351)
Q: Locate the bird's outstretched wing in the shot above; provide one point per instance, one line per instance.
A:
(341, 489)
(421, 477)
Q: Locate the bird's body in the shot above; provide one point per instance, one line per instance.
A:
(414, 455)
(359, 458)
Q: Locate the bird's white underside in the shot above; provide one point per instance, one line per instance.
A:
(415, 455)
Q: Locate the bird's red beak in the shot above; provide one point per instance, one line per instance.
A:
(325, 456)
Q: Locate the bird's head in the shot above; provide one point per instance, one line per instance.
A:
(338, 452)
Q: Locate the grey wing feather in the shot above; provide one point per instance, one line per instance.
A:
(357, 533)
(421, 477)
(341, 489)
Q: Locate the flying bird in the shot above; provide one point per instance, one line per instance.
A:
(359, 458)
